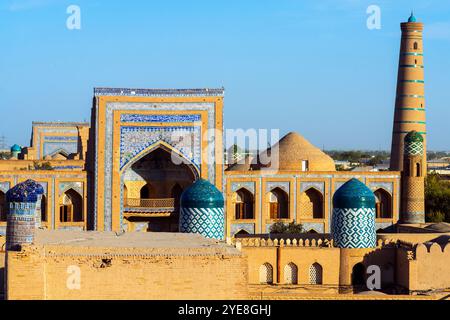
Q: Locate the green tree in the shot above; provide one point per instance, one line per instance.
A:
(437, 199)
(291, 228)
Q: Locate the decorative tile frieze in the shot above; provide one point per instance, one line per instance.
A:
(186, 140)
(160, 118)
(388, 186)
(250, 186)
(248, 227)
(304, 186)
(277, 184)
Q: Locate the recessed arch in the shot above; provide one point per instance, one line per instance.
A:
(44, 208)
(278, 204)
(244, 204)
(315, 273)
(168, 148)
(383, 204)
(266, 273)
(3, 206)
(312, 203)
(291, 273)
(71, 207)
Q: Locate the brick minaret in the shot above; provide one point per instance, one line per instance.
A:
(410, 99)
(413, 182)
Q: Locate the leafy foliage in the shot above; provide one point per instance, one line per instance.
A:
(42, 166)
(291, 228)
(437, 199)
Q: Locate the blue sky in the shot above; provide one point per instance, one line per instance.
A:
(294, 65)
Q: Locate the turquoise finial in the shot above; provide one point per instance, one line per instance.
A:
(412, 18)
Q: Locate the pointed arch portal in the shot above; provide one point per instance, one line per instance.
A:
(153, 183)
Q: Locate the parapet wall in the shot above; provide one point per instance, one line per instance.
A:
(424, 266)
(56, 271)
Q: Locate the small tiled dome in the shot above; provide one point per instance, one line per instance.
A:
(413, 136)
(202, 211)
(27, 191)
(16, 148)
(353, 221)
(413, 143)
(202, 194)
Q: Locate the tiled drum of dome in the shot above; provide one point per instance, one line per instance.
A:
(202, 210)
(22, 201)
(353, 221)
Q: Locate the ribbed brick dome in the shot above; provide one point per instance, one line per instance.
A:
(293, 149)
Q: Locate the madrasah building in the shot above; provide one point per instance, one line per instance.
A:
(129, 169)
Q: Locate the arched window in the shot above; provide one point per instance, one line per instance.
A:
(44, 208)
(3, 206)
(244, 204)
(71, 207)
(313, 204)
(278, 204)
(315, 274)
(266, 274)
(383, 204)
(290, 273)
(416, 46)
(358, 275)
(145, 192)
(418, 171)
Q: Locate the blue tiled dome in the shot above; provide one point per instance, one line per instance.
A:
(27, 191)
(353, 221)
(354, 194)
(201, 210)
(202, 194)
(16, 148)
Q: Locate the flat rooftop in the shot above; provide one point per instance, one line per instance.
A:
(129, 243)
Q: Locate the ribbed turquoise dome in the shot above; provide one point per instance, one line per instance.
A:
(202, 194)
(354, 194)
(412, 18)
(16, 148)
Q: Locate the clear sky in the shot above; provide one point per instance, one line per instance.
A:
(296, 65)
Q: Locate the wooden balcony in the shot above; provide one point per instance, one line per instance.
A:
(149, 207)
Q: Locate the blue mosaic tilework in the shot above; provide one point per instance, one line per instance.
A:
(160, 118)
(317, 227)
(61, 138)
(353, 220)
(209, 222)
(354, 228)
(51, 148)
(236, 227)
(157, 92)
(186, 140)
(20, 225)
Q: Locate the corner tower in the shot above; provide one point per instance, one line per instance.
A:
(410, 100)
